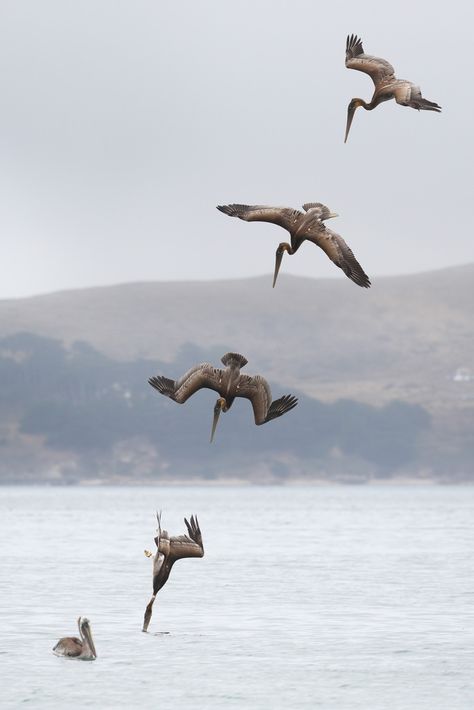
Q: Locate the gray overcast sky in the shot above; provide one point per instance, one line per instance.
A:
(123, 125)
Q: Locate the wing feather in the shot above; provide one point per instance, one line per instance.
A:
(190, 545)
(285, 217)
(281, 406)
(341, 254)
(377, 68)
(258, 391)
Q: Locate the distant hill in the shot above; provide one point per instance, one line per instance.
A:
(390, 368)
(403, 336)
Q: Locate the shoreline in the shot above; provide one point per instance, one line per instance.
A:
(239, 482)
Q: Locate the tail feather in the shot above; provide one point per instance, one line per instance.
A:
(230, 359)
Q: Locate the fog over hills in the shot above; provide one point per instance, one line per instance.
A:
(406, 342)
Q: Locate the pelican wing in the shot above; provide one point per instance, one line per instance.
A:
(338, 251)
(189, 545)
(378, 69)
(285, 217)
(68, 646)
(258, 391)
(199, 376)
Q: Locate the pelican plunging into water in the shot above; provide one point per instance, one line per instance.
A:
(81, 648)
(229, 383)
(168, 551)
(387, 86)
(308, 225)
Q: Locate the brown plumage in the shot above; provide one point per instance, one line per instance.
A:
(229, 383)
(168, 551)
(308, 225)
(82, 648)
(387, 86)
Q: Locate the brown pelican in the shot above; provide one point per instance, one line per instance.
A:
(304, 225)
(168, 550)
(81, 648)
(229, 383)
(387, 86)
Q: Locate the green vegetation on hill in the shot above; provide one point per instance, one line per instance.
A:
(93, 416)
(357, 359)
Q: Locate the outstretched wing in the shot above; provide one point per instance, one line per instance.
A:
(338, 251)
(257, 390)
(378, 69)
(189, 545)
(199, 376)
(285, 217)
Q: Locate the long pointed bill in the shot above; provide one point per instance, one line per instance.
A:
(88, 636)
(278, 258)
(350, 116)
(217, 411)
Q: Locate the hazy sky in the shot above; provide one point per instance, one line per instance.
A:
(123, 125)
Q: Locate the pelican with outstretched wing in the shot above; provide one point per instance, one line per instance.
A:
(308, 225)
(229, 383)
(81, 648)
(387, 86)
(168, 551)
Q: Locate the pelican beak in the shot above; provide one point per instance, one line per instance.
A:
(350, 115)
(219, 406)
(86, 630)
(278, 258)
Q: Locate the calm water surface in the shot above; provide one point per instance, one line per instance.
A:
(322, 597)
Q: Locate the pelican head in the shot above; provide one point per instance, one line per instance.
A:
(220, 406)
(351, 109)
(87, 640)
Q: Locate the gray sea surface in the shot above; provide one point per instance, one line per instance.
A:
(307, 597)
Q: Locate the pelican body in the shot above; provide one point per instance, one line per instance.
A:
(308, 225)
(82, 648)
(387, 86)
(229, 383)
(168, 551)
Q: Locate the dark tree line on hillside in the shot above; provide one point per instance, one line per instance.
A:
(82, 401)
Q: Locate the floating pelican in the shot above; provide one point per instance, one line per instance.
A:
(81, 648)
(387, 86)
(229, 383)
(168, 550)
(307, 225)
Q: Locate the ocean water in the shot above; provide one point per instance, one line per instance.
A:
(307, 597)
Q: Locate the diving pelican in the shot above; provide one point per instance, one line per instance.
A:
(229, 383)
(387, 86)
(304, 225)
(81, 648)
(168, 550)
